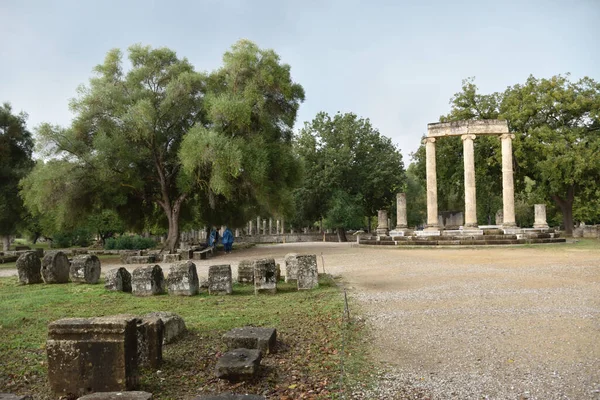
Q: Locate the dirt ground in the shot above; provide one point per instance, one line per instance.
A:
(470, 323)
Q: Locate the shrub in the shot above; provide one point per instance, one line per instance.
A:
(129, 243)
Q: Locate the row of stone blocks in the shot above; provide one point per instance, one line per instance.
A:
(299, 269)
(55, 267)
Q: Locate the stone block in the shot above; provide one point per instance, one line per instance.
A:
(174, 325)
(202, 254)
(132, 395)
(308, 275)
(183, 279)
(92, 355)
(171, 258)
(230, 396)
(148, 281)
(10, 396)
(146, 259)
(238, 364)
(265, 275)
(246, 271)
(219, 279)
(85, 269)
(125, 254)
(118, 280)
(291, 267)
(55, 267)
(251, 337)
(29, 268)
(187, 254)
(150, 336)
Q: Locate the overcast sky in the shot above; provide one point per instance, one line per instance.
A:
(395, 62)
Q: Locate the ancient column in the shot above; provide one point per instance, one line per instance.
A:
(251, 228)
(432, 206)
(270, 226)
(401, 222)
(282, 226)
(258, 225)
(382, 222)
(470, 191)
(278, 227)
(540, 216)
(508, 189)
(264, 226)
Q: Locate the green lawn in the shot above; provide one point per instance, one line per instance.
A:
(309, 325)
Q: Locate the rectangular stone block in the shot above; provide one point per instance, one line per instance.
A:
(92, 355)
(238, 364)
(308, 275)
(147, 259)
(291, 267)
(251, 337)
(150, 335)
(133, 395)
(171, 257)
(265, 275)
(183, 279)
(118, 280)
(246, 271)
(219, 279)
(174, 325)
(147, 281)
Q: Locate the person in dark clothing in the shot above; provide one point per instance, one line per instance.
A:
(227, 240)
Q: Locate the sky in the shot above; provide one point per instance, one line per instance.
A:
(397, 63)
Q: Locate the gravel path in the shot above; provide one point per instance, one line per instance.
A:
(493, 323)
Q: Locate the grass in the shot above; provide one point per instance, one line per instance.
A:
(309, 325)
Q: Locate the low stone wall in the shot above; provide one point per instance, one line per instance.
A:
(588, 231)
(289, 238)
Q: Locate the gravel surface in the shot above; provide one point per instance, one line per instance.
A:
(484, 323)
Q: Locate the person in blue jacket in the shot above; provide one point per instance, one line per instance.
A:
(227, 240)
(213, 238)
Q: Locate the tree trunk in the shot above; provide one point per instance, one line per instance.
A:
(566, 207)
(5, 242)
(341, 234)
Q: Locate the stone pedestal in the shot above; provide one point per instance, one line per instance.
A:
(246, 271)
(148, 281)
(540, 217)
(401, 220)
(432, 206)
(508, 189)
(291, 267)
(174, 325)
(118, 280)
(92, 355)
(278, 230)
(55, 267)
(469, 172)
(150, 335)
(382, 223)
(251, 337)
(170, 258)
(238, 364)
(264, 227)
(308, 275)
(270, 226)
(183, 279)
(219, 279)
(265, 276)
(85, 269)
(29, 268)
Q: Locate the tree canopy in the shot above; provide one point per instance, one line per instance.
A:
(160, 137)
(351, 170)
(16, 148)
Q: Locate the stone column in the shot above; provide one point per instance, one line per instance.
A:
(270, 226)
(382, 222)
(401, 221)
(264, 226)
(540, 216)
(282, 226)
(432, 206)
(508, 189)
(278, 228)
(258, 225)
(470, 190)
(251, 228)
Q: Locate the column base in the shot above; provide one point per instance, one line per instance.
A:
(541, 226)
(382, 231)
(509, 225)
(470, 226)
(432, 227)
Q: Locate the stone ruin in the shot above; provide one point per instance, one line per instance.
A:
(29, 268)
(219, 279)
(85, 269)
(238, 364)
(56, 267)
(265, 276)
(307, 275)
(131, 395)
(291, 267)
(173, 323)
(183, 279)
(246, 271)
(251, 337)
(118, 280)
(10, 396)
(150, 337)
(148, 281)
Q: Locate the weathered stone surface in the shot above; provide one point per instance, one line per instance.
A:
(231, 396)
(150, 336)
(118, 280)
(238, 364)
(133, 395)
(202, 254)
(265, 275)
(148, 281)
(246, 271)
(308, 275)
(55, 267)
(183, 279)
(29, 267)
(187, 254)
(146, 259)
(10, 396)
(251, 337)
(85, 269)
(291, 267)
(219, 279)
(174, 325)
(171, 257)
(92, 355)
(125, 254)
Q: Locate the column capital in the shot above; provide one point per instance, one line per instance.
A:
(467, 137)
(507, 136)
(428, 140)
